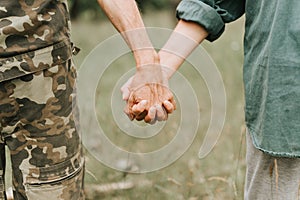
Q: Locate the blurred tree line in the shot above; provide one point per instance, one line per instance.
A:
(91, 8)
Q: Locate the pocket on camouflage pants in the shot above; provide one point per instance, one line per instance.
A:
(38, 121)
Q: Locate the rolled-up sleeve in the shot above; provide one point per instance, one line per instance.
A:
(211, 14)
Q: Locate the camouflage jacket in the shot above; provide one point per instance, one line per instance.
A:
(34, 35)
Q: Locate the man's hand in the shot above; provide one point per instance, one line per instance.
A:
(148, 96)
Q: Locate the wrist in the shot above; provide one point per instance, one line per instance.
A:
(146, 57)
(167, 71)
(169, 63)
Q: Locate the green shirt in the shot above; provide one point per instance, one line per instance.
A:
(271, 66)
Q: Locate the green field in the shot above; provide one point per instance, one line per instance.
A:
(220, 175)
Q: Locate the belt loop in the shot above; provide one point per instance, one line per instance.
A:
(75, 50)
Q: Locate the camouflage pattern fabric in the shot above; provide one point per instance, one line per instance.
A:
(28, 25)
(26, 63)
(38, 125)
(37, 119)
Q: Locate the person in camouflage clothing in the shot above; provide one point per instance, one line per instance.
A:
(37, 101)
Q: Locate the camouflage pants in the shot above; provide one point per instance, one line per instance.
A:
(37, 124)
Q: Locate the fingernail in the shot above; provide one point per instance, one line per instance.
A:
(143, 102)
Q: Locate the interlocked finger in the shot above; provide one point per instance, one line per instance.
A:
(168, 106)
(150, 117)
(137, 109)
(161, 114)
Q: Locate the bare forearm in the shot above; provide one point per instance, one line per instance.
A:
(125, 16)
(184, 39)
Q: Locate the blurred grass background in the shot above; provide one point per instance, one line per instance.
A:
(221, 174)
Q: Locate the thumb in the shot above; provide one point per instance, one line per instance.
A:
(125, 89)
(125, 93)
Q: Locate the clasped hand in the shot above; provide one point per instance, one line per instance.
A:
(147, 95)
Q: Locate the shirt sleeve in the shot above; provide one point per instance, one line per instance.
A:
(211, 14)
